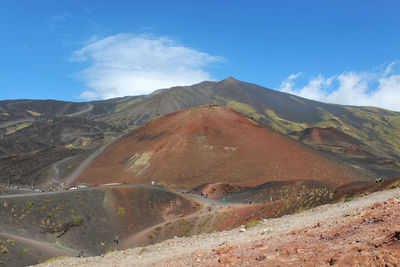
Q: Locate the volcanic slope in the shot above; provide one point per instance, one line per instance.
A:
(212, 144)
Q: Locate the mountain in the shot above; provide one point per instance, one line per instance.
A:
(372, 134)
(212, 144)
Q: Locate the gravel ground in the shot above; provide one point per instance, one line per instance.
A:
(156, 255)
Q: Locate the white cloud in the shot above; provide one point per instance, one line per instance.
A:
(375, 88)
(127, 64)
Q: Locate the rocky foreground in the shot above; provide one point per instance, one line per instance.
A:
(363, 231)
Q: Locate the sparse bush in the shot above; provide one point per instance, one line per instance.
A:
(77, 219)
(4, 250)
(347, 199)
(393, 186)
(54, 259)
(26, 250)
(182, 222)
(11, 241)
(151, 236)
(363, 194)
(158, 228)
(251, 224)
(184, 231)
(121, 211)
(142, 250)
(50, 214)
(29, 204)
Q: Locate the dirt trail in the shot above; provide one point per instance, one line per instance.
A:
(172, 251)
(49, 248)
(89, 160)
(89, 108)
(12, 123)
(207, 206)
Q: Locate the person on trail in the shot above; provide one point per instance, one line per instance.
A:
(116, 240)
(80, 254)
(223, 200)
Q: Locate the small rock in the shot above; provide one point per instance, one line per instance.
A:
(260, 258)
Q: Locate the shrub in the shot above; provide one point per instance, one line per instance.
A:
(4, 250)
(393, 186)
(347, 199)
(50, 214)
(151, 236)
(29, 204)
(26, 250)
(251, 224)
(182, 222)
(54, 259)
(142, 250)
(77, 219)
(11, 241)
(121, 211)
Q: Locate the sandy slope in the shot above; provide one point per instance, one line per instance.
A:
(277, 241)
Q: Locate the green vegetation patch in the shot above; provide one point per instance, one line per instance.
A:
(393, 186)
(282, 125)
(33, 113)
(11, 130)
(121, 211)
(127, 104)
(54, 259)
(347, 199)
(11, 241)
(29, 204)
(77, 219)
(4, 249)
(244, 109)
(251, 224)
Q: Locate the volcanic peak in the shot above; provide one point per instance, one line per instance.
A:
(210, 144)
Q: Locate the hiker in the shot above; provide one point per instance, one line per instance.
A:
(250, 201)
(80, 254)
(116, 240)
(223, 200)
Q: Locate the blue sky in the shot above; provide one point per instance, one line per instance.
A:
(343, 52)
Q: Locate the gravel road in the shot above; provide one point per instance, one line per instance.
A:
(156, 255)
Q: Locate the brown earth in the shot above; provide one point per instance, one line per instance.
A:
(216, 190)
(65, 223)
(211, 144)
(361, 232)
(367, 237)
(332, 138)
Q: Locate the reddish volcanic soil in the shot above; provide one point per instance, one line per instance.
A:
(211, 144)
(332, 137)
(368, 237)
(216, 190)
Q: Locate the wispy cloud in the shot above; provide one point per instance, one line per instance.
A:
(128, 64)
(369, 88)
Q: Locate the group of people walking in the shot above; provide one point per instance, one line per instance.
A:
(247, 201)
